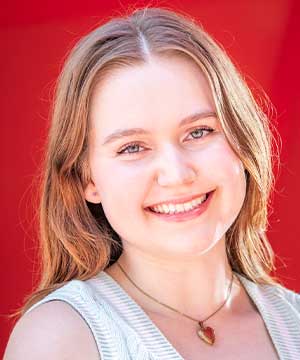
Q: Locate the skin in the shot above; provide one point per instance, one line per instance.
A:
(170, 161)
(53, 330)
(182, 264)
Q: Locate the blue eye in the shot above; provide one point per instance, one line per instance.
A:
(201, 130)
(128, 147)
(135, 145)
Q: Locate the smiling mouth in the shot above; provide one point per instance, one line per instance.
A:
(173, 211)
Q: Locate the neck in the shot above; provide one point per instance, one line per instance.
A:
(193, 286)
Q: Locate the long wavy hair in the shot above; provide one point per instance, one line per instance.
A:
(76, 239)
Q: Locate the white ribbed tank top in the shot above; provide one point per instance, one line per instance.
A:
(122, 330)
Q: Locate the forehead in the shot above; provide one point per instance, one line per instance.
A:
(157, 93)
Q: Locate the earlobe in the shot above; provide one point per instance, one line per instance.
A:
(91, 194)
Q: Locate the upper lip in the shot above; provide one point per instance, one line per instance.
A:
(178, 200)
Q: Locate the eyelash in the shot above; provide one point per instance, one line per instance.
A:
(122, 151)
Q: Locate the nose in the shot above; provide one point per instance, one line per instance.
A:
(175, 168)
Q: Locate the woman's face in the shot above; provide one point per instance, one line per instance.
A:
(167, 160)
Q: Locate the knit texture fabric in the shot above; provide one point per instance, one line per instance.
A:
(122, 330)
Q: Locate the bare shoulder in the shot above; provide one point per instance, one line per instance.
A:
(53, 330)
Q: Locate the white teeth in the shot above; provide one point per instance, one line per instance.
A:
(165, 208)
(178, 208)
(194, 202)
(188, 206)
(172, 208)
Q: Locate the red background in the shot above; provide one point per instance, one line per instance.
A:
(262, 37)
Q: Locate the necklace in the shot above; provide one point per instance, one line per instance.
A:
(206, 333)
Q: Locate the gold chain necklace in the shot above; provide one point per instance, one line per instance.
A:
(206, 333)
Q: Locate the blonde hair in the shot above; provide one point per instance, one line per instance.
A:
(76, 240)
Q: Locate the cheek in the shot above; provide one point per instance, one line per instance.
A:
(232, 173)
(122, 196)
(230, 180)
(221, 164)
(120, 185)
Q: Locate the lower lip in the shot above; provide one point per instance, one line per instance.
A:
(189, 215)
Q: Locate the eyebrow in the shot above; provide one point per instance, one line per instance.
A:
(120, 133)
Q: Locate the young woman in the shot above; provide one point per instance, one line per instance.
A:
(154, 206)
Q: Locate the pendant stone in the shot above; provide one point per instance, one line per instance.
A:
(206, 333)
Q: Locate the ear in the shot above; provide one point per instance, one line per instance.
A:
(91, 194)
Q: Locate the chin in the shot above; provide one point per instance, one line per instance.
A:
(191, 248)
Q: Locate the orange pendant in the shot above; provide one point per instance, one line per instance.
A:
(206, 333)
